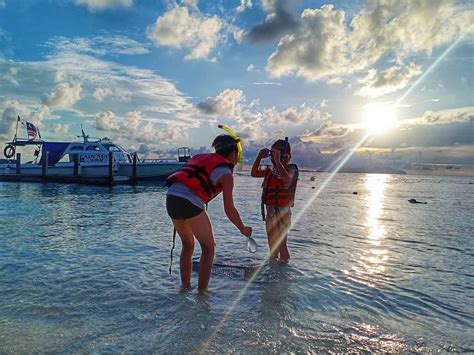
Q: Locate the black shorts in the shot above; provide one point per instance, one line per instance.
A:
(180, 208)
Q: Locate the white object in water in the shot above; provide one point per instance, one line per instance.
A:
(251, 245)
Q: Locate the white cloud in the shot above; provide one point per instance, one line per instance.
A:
(457, 115)
(244, 4)
(390, 80)
(318, 49)
(57, 128)
(292, 115)
(232, 105)
(183, 27)
(80, 84)
(64, 95)
(251, 68)
(99, 45)
(324, 103)
(10, 76)
(101, 93)
(99, 5)
(267, 83)
(11, 109)
(323, 47)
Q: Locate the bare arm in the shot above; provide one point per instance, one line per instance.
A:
(227, 182)
(256, 171)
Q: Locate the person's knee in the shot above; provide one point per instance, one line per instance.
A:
(208, 248)
(188, 248)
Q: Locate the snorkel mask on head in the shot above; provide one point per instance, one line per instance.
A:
(237, 139)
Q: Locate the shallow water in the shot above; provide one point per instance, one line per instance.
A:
(85, 269)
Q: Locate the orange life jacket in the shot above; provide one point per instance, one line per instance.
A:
(196, 174)
(274, 191)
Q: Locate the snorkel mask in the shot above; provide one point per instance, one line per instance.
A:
(237, 139)
(285, 152)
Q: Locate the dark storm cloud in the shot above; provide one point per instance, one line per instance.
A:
(280, 20)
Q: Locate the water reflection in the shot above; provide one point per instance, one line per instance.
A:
(372, 260)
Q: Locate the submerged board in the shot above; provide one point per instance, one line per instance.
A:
(241, 268)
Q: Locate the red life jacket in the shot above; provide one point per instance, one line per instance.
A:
(274, 191)
(196, 174)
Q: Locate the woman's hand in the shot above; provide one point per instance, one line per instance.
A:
(263, 153)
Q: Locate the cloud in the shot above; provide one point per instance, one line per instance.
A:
(251, 68)
(322, 47)
(318, 49)
(393, 79)
(267, 83)
(280, 19)
(324, 103)
(100, 5)
(463, 114)
(10, 76)
(63, 96)
(292, 115)
(329, 128)
(244, 4)
(11, 109)
(229, 103)
(57, 128)
(101, 93)
(8, 119)
(184, 27)
(85, 87)
(2, 3)
(108, 121)
(232, 105)
(98, 45)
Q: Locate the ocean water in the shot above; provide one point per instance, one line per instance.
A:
(85, 269)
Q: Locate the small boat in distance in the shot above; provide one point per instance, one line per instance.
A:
(90, 161)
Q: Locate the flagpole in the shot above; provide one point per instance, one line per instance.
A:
(16, 129)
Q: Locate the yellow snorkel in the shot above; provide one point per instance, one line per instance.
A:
(237, 139)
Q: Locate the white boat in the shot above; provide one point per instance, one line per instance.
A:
(88, 161)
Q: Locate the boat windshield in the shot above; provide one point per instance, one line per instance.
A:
(114, 148)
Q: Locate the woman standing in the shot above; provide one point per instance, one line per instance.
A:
(202, 178)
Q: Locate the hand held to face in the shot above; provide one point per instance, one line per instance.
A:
(263, 153)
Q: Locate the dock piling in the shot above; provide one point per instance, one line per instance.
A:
(111, 167)
(44, 170)
(76, 164)
(18, 163)
(134, 169)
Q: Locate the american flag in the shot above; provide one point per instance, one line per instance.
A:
(31, 130)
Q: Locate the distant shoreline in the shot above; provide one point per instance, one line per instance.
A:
(432, 171)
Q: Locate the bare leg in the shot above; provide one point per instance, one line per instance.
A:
(185, 261)
(202, 229)
(284, 254)
(271, 227)
(284, 223)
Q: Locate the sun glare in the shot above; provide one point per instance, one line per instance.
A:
(378, 117)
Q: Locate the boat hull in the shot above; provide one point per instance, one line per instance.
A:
(64, 172)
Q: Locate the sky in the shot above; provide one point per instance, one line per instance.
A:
(155, 75)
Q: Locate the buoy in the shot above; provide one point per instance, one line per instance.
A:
(412, 200)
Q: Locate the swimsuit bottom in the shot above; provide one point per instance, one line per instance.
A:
(180, 208)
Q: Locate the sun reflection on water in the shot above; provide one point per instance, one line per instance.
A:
(373, 259)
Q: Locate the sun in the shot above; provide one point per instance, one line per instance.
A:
(378, 117)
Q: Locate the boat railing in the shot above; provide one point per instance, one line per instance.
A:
(160, 160)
